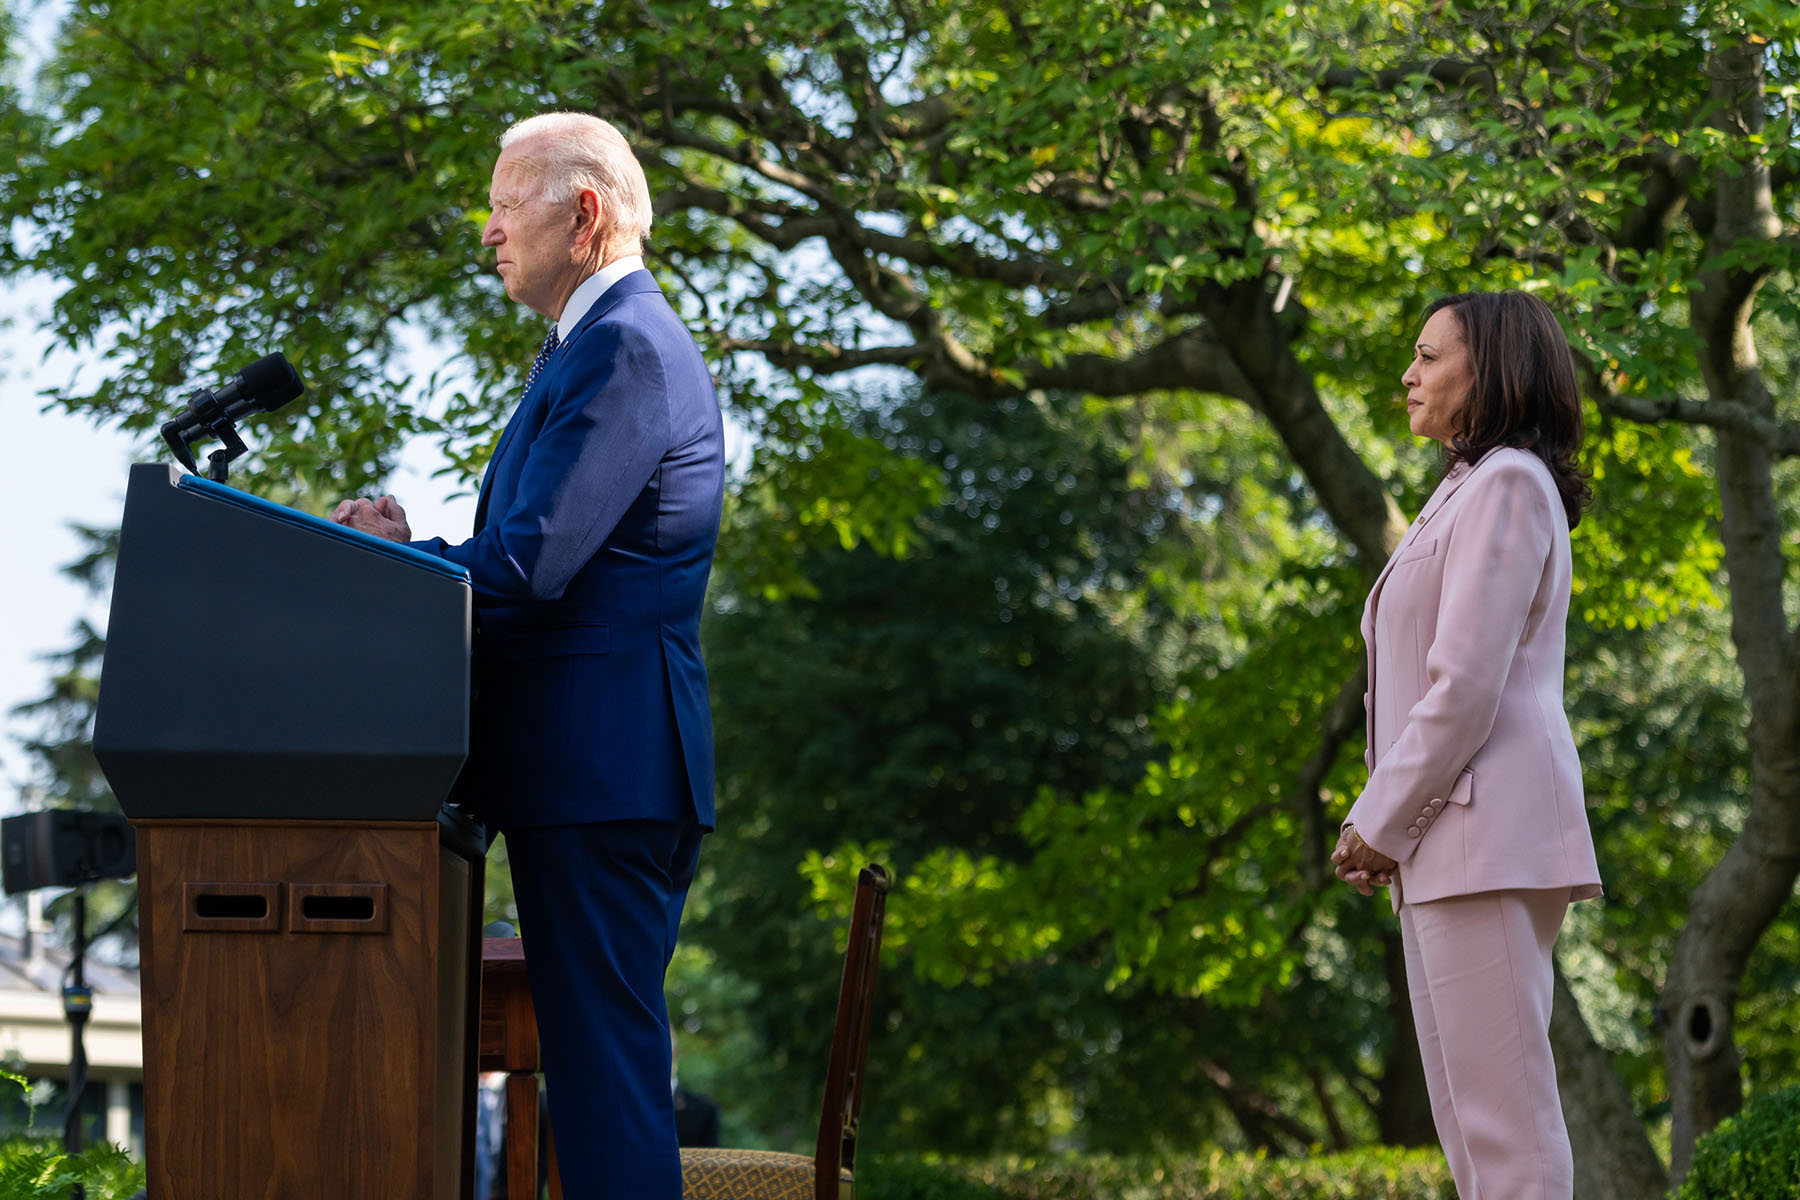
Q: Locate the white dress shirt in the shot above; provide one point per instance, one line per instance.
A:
(589, 291)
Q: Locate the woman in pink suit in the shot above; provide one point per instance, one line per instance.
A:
(1473, 813)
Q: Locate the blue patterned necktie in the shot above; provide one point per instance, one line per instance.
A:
(551, 342)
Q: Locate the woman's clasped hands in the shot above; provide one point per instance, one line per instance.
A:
(1361, 865)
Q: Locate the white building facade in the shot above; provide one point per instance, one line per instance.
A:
(35, 1035)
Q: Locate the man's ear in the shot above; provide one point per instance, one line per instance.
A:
(590, 216)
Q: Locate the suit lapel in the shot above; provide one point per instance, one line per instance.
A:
(1446, 488)
(1441, 495)
(506, 437)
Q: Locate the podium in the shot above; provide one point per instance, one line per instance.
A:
(284, 708)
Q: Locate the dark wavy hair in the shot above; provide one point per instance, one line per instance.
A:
(1524, 392)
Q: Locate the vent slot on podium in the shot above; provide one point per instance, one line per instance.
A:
(231, 907)
(337, 908)
(241, 908)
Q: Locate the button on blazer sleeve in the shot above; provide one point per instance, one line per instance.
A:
(607, 427)
(1495, 567)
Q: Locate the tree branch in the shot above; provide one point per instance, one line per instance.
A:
(1192, 360)
(826, 358)
(745, 157)
(962, 259)
(1780, 438)
(1256, 1114)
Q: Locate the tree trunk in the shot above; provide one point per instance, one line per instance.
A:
(1350, 493)
(1404, 1111)
(1735, 903)
(1726, 918)
(1613, 1158)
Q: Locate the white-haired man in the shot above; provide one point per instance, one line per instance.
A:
(592, 732)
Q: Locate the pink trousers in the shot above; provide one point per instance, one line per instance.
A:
(1479, 972)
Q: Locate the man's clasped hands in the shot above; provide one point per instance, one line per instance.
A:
(384, 518)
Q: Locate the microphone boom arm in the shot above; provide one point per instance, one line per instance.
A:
(209, 417)
(263, 386)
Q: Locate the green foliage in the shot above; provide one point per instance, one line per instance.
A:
(888, 1177)
(1379, 1174)
(1014, 649)
(1752, 1156)
(828, 485)
(1649, 548)
(1196, 874)
(37, 1168)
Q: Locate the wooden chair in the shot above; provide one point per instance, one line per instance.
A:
(830, 1174)
(509, 1043)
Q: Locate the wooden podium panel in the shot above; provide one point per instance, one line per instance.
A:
(309, 1010)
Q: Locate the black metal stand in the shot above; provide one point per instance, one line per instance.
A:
(213, 421)
(234, 448)
(78, 1003)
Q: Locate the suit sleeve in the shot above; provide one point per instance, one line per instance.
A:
(607, 430)
(1494, 565)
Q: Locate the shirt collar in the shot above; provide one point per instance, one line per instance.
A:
(588, 293)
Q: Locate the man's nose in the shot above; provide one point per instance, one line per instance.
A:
(490, 233)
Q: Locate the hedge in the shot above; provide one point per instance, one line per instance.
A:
(1374, 1174)
(1752, 1156)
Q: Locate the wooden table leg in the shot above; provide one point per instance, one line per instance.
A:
(521, 1135)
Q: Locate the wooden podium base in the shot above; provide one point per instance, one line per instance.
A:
(309, 993)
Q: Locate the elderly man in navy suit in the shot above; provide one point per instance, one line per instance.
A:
(592, 733)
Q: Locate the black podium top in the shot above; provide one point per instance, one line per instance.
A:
(264, 664)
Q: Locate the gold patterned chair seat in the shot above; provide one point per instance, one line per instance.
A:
(748, 1175)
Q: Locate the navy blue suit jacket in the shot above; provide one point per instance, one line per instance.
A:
(594, 538)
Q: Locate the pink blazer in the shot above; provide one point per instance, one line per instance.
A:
(1474, 784)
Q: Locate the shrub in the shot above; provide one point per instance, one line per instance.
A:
(38, 1169)
(1372, 1174)
(917, 1179)
(1752, 1156)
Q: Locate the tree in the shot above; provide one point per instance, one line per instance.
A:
(63, 742)
(1226, 211)
(927, 703)
(60, 749)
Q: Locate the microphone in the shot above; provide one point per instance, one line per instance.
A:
(263, 386)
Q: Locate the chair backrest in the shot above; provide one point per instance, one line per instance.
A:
(836, 1151)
